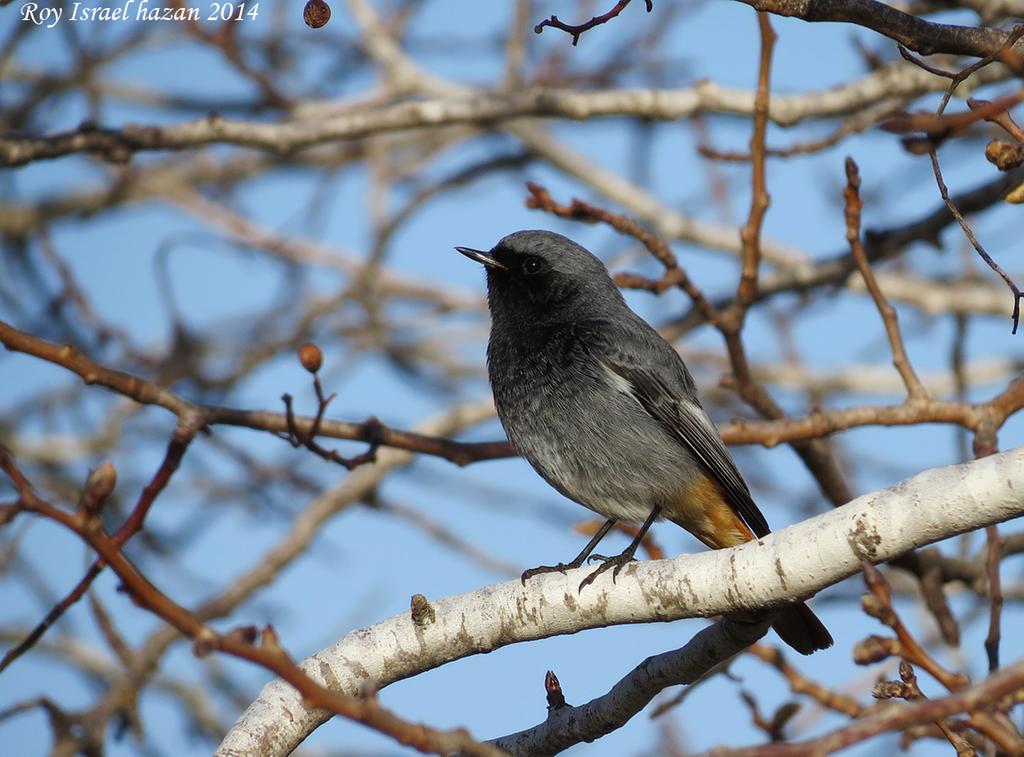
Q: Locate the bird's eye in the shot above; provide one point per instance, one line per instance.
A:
(532, 265)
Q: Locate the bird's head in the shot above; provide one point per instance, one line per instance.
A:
(541, 275)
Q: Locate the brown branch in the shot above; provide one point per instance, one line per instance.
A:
(750, 235)
(895, 717)
(908, 689)
(51, 617)
(929, 564)
(768, 433)
(925, 37)
(675, 275)
(182, 436)
(311, 358)
(1002, 119)
(855, 124)
(815, 454)
(995, 595)
(879, 245)
(240, 642)
(1004, 53)
(854, 204)
(773, 727)
(937, 127)
(972, 416)
(971, 571)
(969, 233)
(577, 29)
(878, 604)
(149, 393)
(800, 684)
(911, 58)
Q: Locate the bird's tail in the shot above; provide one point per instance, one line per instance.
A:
(720, 528)
(800, 628)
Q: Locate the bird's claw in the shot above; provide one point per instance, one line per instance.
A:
(616, 563)
(541, 569)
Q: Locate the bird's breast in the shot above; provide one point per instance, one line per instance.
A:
(587, 437)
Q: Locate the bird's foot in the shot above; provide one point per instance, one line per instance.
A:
(616, 563)
(541, 569)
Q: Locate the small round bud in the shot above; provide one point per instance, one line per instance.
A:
(875, 649)
(891, 690)
(874, 607)
(316, 14)
(98, 486)
(422, 612)
(268, 639)
(103, 479)
(311, 357)
(244, 634)
(206, 641)
(1004, 155)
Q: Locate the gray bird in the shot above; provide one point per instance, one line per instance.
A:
(605, 410)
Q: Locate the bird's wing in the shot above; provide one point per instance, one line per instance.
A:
(651, 371)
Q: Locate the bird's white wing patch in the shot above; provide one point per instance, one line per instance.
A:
(620, 383)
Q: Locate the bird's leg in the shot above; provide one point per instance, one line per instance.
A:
(620, 560)
(576, 561)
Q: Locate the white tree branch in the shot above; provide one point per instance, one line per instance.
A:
(790, 564)
(461, 106)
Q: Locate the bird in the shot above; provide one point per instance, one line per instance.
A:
(607, 413)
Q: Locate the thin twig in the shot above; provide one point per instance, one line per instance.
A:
(182, 436)
(299, 438)
(854, 204)
(995, 593)
(750, 235)
(907, 688)
(969, 233)
(905, 645)
(577, 29)
(675, 275)
(941, 127)
(150, 393)
(800, 684)
(894, 718)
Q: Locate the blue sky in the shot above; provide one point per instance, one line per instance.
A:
(365, 565)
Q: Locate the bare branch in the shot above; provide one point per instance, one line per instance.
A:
(854, 204)
(477, 109)
(895, 717)
(926, 37)
(786, 565)
(577, 29)
(568, 726)
(150, 393)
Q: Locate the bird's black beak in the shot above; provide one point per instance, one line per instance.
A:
(481, 257)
